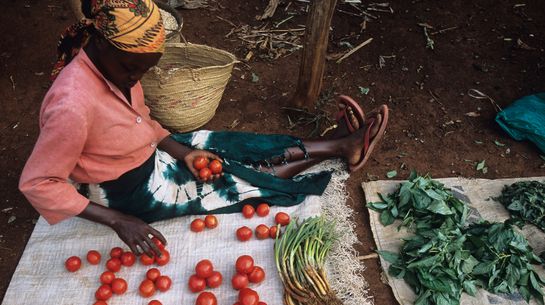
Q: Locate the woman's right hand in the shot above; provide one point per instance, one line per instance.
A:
(191, 156)
(133, 231)
(137, 234)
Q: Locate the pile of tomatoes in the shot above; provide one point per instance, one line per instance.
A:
(262, 231)
(207, 167)
(204, 276)
(110, 284)
(198, 225)
(246, 273)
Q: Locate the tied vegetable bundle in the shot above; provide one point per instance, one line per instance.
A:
(300, 255)
(525, 201)
(445, 257)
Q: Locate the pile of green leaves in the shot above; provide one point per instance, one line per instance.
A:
(525, 200)
(444, 256)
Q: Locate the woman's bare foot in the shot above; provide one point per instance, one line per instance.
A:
(342, 129)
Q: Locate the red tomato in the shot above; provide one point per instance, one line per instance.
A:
(262, 231)
(204, 269)
(107, 277)
(261, 303)
(147, 288)
(205, 173)
(215, 167)
(244, 233)
(197, 225)
(158, 243)
(262, 209)
(128, 259)
(239, 281)
(93, 257)
(206, 298)
(163, 259)
(200, 162)
(211, 221)
(244, 264)
(153, 274)
(273, 231)
(214, 280)
(72, 264)
(100, 303)
(119, 286)
(156, 302)
(113, 264)
(103, 292)
(257, 275)
(248, 211)
(196, 284)
(146, 260)
(116, 252)
(282, 218)
(163, 283)
(247, 296)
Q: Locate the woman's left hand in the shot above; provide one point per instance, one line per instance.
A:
(190, 157)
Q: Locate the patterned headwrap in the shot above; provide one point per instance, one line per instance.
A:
(133, 26)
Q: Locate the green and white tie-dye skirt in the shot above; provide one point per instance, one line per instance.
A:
(163, 187)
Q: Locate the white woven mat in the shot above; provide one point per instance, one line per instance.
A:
(40, 277)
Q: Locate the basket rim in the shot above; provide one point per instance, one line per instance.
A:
(181, 45)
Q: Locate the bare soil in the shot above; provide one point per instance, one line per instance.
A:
(428, 134)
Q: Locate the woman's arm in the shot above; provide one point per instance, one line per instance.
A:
(186, 154)
(133, 231)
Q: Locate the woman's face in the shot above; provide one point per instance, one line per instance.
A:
(124, 69)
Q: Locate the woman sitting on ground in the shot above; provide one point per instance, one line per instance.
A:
(100, 156)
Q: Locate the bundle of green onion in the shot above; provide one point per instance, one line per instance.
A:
(300, 255)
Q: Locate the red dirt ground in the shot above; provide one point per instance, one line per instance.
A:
(430, 136)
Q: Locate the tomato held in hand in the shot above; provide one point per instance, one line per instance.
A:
(116, 252)
(153, 274)
(100, 303)
(107, 277)
(196, 284)
(204, 269)
(128, 259)
(215, 167)
(248, 211)
(244, 264)
(214, 280)
(156, 302)
(206, 298)
(262, 231)
(273, 231)
(205, 173)
(247, 296)
(158, 243)
(239, 281)
(119, 286)
(244, 233)
(198, 225)
(72, 264)
(103, 292)
(257, 275)
(211, 221)
(146, 260)
(163, 283)
(113, 264)
(282, 218)
(163, 259)
(93, 257)
(262, 209)
(146, 288)
(200, 162)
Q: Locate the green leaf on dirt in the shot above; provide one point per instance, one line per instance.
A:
(364, 90)
(481, 165)
(391, 174)
(255, 78)
(478, 142)
(498, 143)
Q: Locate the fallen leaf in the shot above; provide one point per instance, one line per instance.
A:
(255, 78)
(391, 174)
(11, 219)
(481, 165)
(473, 114)
(498, 143)
(364, 90)
(478, 142)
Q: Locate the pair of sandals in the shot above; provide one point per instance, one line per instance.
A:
(350, 109)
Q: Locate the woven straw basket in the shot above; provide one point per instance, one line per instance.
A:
(184, 90)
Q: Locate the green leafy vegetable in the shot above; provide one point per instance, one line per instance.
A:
(525, 201)
(391, 174)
